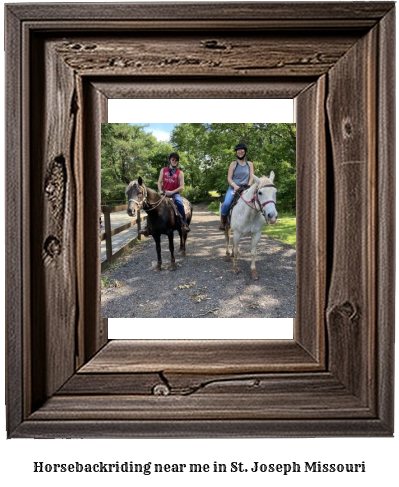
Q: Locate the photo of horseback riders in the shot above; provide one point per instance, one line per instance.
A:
(214, 186)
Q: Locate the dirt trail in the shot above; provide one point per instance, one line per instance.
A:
(203, 284)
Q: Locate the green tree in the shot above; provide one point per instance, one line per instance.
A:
(209, 150)
(127, 152)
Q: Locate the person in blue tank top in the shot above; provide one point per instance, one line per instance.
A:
(241, 174)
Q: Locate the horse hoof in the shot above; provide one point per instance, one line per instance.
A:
(173, 267)
(227, 258)
(158, 268)
(236, 270)
(182, 252)
(254, 276)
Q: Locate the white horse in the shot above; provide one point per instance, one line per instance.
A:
(255, 206)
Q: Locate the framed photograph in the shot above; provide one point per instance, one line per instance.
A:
(65, 378)
(199, 277)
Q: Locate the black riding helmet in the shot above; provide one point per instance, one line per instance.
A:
(241, 146)
(175, 155)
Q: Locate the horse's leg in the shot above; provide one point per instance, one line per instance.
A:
(227, 236)
(157, 239)
(236, 241)
(254, 242)
(173, 265)
(183, 238)
(185, 235)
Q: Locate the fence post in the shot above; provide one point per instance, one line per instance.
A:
(138, 225)
(108, 238)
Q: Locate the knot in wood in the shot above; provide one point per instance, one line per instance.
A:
(161, 390)
(50, 188)
(213, 44)
(348, 128)
(52, 246)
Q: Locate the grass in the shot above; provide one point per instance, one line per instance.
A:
(284, 230)
(105, 282)
(214, 207)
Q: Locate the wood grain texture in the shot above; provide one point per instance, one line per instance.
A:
(246, 56)
(311, 217)
(185, 384)
(277, 11)
(71, 382)
(385, 245)
(95, 112)
(176, 87)
(247, 406)
(16, 252)
(191, 428)
(200, 356)
(351, 109)
(52, 211)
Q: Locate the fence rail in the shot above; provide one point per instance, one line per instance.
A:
(109, 233)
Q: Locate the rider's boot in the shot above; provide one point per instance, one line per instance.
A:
(223, 220)
(145, 232)
(185, 228)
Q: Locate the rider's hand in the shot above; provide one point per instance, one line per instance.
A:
(236, 187)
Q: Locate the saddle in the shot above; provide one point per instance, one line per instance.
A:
(237, 196)
(175, 209)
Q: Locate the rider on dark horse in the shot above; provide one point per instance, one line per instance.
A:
(171, 182)
(240, 175)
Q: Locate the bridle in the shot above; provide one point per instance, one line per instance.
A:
(255, 200)
(262, 205)
(149, 206)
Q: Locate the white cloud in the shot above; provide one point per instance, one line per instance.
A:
(160, 135)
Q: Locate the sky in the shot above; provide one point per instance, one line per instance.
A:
(161, 131)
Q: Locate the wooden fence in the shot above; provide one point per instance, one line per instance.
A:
(109, 233)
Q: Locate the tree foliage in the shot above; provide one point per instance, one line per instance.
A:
(127, 152)
(209, 149)
(206, 150)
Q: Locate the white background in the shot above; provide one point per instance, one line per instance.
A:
(380, 454)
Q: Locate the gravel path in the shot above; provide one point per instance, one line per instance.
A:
(203, 284)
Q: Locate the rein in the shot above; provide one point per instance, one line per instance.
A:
(144, 201)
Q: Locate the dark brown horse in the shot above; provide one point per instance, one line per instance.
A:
(161, 217)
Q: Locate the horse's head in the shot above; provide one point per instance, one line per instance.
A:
(136, 193)
(266, 197)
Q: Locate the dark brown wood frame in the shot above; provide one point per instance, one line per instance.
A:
(64, 378)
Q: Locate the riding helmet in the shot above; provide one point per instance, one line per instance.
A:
(175, 155)
(240, 146)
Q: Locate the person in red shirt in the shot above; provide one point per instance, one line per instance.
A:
(171, 182)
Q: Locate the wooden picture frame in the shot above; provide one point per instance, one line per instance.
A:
(335, 378)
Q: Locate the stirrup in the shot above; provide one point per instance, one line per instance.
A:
(185, 228)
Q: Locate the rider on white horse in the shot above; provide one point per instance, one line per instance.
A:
(241, 174)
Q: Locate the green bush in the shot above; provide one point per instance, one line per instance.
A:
(195, 194)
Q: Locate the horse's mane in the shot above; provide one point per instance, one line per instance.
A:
(130, 185)
(263, 180)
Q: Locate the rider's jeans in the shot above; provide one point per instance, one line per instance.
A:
(228, 199)
(179, 203)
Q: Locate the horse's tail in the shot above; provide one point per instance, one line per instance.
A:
(190, 206)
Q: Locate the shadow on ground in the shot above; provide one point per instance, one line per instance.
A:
(204, 284)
